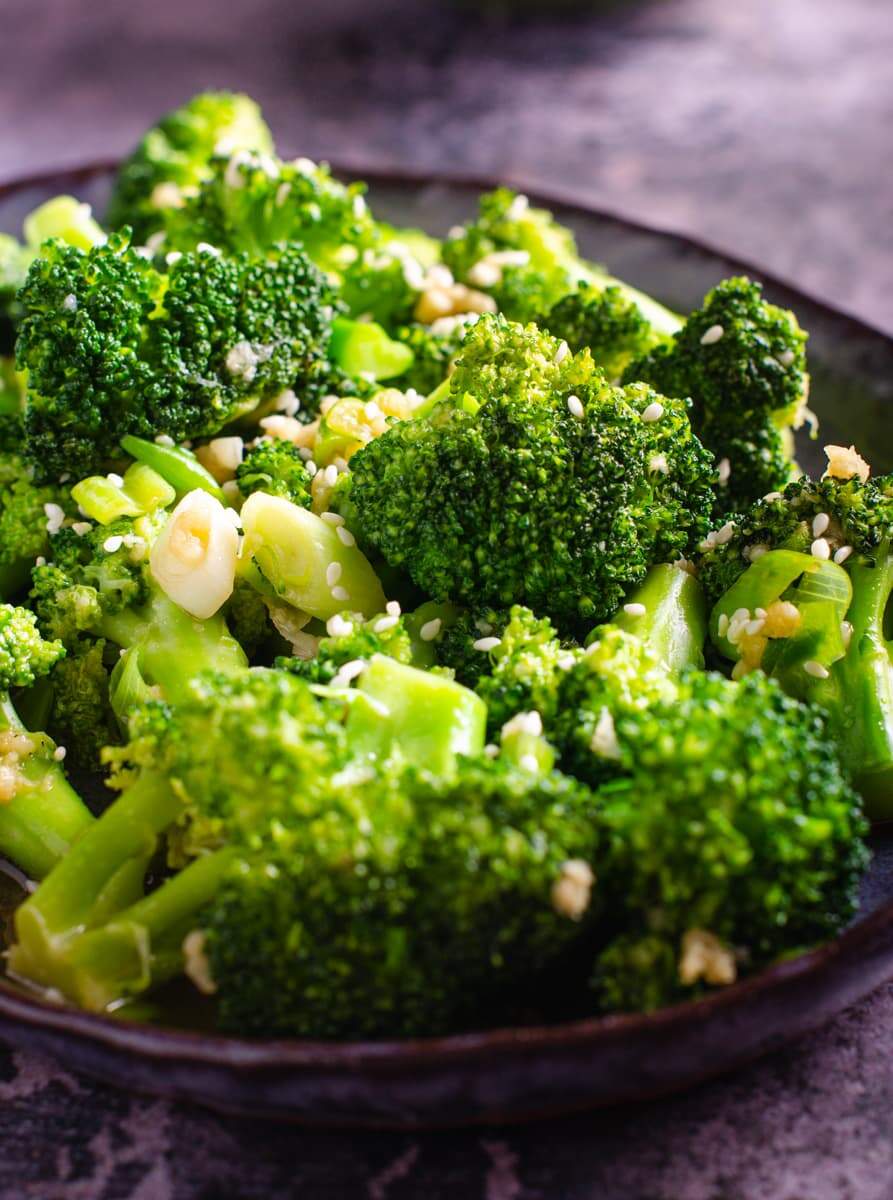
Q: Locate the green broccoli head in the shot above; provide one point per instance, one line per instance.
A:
(24, 654)
(607, 322)
(742, 361)
(535, 483)
(456, 649)
(113, 347)
(274, 465)
(735, 837)
(174, 157)
(81, 717)
(353, 640)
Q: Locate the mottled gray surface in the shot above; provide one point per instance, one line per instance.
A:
(765, 127)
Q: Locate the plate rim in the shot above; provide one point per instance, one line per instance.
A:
(395, 1056)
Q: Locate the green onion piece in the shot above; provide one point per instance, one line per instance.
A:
(63, 217)
(104, 501)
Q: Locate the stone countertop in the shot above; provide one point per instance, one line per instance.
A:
(762, 127)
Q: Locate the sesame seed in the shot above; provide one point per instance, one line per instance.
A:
(345, 537)
(115, 480)
(846, 632)
(40, 561)
(841, 555)
(347, 672)
(725, 534)
(562, 352)
(820, 549)
(430, 630)
(70, 303)
(486, 643)
(333, 573)
(383, 624)
(207, 248)
(530, 723)
(331, 518)
(110, 545)
(337, 626)
(55, 516)
(815, 669)
(372, 411)
(59, 753)
(340, 593)
(566, 662)
(173, 256)
(312, 469)
(723, 471)
(575, 407)
(786, 358)
(722, 625)
(712, 335)
(752, 628)
(770, 496)
(330, 475)
(752, 553)
(529, 762)
(392, 608)
(635, 610)
(164, 439)
(490, 750)
(81, 528)
(658, 462)
(653, 412)
(820, 523)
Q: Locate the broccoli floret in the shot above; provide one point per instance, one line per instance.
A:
(174, 156)
(23, 523)
(275, 466)
(801, 587)
(742, 362)
(456, 649)
(528, 261)
(355, 642)
(606, 321)
(40, 814)
(80, 716)
(735, 838)
(113, 347)
(534, 482)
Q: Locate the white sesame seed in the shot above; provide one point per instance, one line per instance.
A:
(207, 248)
(530, 723)
(430, 630)
(383, 624)
(841, 555)
(81, 528)
(345, 537)
(59, 753)
(40, 561)
(575, 407)
(786, 358)
(173, 256)
(164, 439)
(518, 208)
(566, 662)
(115, 480)
(347, 672)
(340, 593)
(331, 518)
(529, 762)
(770, 496)
(337, 626)
(490, 750)
(333, 573)
(712, 335)
(70, 303)
(752, 628)
(820, 549)
(724, 470)
(722, 625)
(562, 352)
(372, 411)
(330, 475)
(110, 545)
(815, 669)
(846, 632)
(55, 517)
(653, 412)
(725, 534)
(486, 643)
(658, 463)
(288, 403)
(752, 553)
(820, 523)
(392, 608)
(312, 469)
(635, 610)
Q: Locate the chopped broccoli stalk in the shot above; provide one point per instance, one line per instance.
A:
(276, 467)
(41, 815)
(174, 157)
(425, 719)
(311, 564)
(113, 347)
(742, 362)
(176, 465)
(668, 613)
(535, 482)
(363, 348)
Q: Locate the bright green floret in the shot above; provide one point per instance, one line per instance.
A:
(174, 158)
(113, 347)
(607, 322)
(534, 482)
(357, 642)
(40, 814)
(742, 361)
(275, 466)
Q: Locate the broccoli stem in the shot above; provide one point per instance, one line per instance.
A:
(102, 873)
(173, 647)
(860, 688)
(674, 621)
(46, 815)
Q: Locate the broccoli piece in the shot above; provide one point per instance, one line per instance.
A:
(801, 588)
(174, 157)
(353, 642)
(734, 838)
(456, 649)
(80, 716)
(23, 523)
(40, 813)
(606, 321)
(742, 362)
(99, 586)
(275, 466)
(112, 347)
(534, 482)
(334, 896)
(528, 261)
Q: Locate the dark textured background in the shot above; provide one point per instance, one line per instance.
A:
(764, 126)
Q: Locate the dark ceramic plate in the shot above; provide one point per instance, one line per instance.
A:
(510, 1074)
